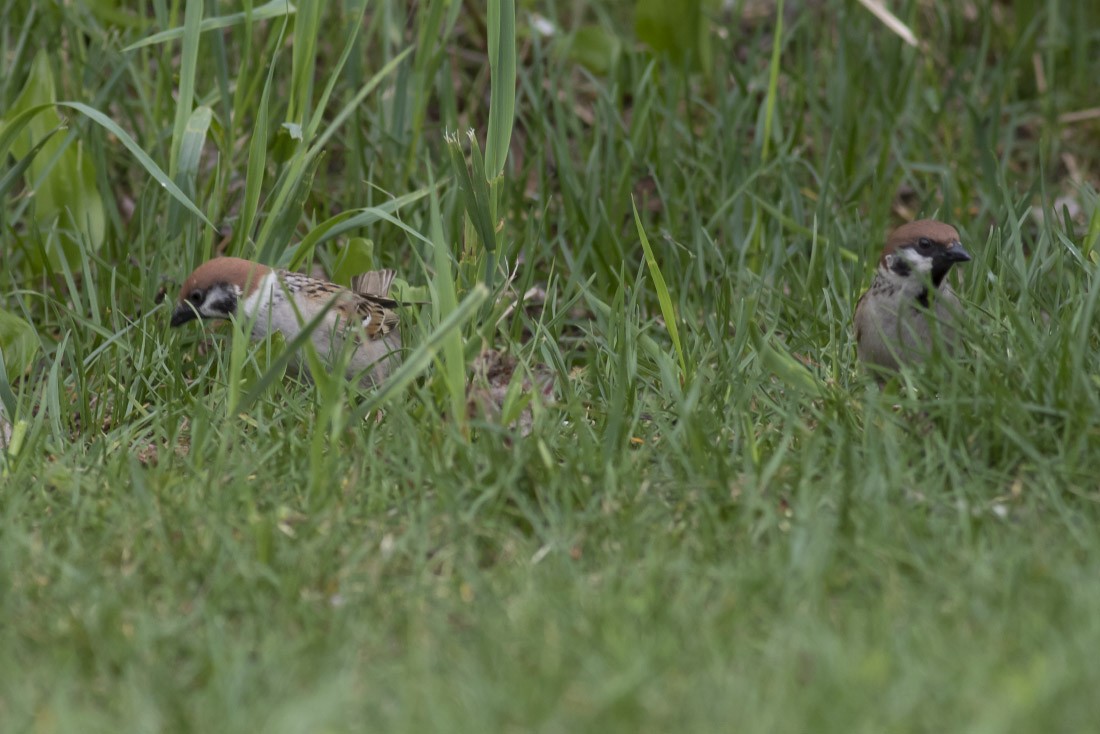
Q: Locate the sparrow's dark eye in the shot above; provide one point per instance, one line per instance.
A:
(196, 297)
(925, 245)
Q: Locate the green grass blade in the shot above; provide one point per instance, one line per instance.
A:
(334, 73)
(303, 60)
(668, 310)
(15, 173)
(357, 99)
(421, 358)
(355, 219)
(257, 161)
(142, 157)
(444, 304)
(186, 91)
(190, 156)
(501, 19)
(278, 365)
(773, 82)
(268, 11)
(474, 187)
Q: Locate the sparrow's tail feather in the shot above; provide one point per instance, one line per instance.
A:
(374, 283)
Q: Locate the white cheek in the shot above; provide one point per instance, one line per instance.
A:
(919, 263)
(216, 300)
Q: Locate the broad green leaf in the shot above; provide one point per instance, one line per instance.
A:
(18, 343)
(61, 176)
(9, 134)
(356, 256)
(679, 29)
(593, 47)
(143, 158)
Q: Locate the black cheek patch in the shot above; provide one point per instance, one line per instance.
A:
(226, 304)
(900, 267)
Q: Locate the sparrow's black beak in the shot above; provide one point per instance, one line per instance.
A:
(944, 258)
(184, 312)
(956, 254)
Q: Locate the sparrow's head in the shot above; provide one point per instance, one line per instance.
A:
(214, 289)
(925, 247)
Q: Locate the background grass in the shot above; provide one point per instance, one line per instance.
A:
(746, 542)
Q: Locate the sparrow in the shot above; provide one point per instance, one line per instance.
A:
(282, 301)
(909, 299)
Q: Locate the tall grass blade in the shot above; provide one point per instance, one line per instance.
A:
(501, 19)
(142, 157)
(444, 305)
(422, 356)
(272, 9)
(189, 56)
(668, 310)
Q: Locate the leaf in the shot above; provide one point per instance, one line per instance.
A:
(273, 9)
(779, 361)
(190, 156)
(185, 90)
(61, 177)
(668, 311)
(303, 164)
(353, 219)
(143, 158)
(356, 257)
(8, 180)
(595, 48)
(423, 355)
(257, 166)
(18, 343)
(678, 29)
(445, 301)
(474, 187)
(501, 20)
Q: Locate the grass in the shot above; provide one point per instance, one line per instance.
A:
(720, 521)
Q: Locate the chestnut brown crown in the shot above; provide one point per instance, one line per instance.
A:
(927, 236)
(214, 288)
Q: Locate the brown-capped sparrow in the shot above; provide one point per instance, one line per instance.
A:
(283, 301)
(909, 299)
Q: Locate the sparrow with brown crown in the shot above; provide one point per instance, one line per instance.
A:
(909, 299)
(283, 301)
